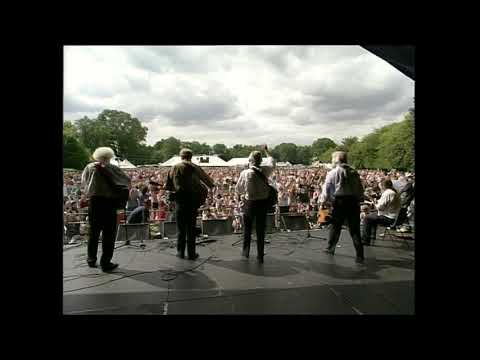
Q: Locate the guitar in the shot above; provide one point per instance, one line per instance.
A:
(323, 212)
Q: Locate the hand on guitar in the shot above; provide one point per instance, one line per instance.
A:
(325, 205)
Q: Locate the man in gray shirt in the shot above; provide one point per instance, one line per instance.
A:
(256, 191)
(343, 190)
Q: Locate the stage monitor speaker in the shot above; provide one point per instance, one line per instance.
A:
(217, 227)
(269, 226)
(169, 229)
(134, 232)
(295, 222)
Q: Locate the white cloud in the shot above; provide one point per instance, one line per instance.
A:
(238, 94)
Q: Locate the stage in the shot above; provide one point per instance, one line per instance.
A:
(296, 278)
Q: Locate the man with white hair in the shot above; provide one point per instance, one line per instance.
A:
(101, 182)
(253, 183)
(343, 190)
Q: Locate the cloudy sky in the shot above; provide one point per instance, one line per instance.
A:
(238, 94)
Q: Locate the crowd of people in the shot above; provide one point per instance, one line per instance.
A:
(299, 190)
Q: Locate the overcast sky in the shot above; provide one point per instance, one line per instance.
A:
(238, 94)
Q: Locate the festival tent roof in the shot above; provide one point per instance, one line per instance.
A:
(284, 164)
(122, 164)
(201, 160)
(242, 162)
(237, 162)
(320, 164)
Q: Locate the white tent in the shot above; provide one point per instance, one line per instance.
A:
(323, 165)
(123, 164)
(201, 160)
(241, 162)
(238, 162)
(172, 161)
(284, 164)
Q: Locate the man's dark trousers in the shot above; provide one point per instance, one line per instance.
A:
(370, 227)
(186, 216)
(255, 210)
(345, 208)
(102, 216)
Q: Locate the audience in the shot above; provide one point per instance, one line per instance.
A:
(298, 189)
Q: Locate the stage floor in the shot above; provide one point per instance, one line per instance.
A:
(296, 278)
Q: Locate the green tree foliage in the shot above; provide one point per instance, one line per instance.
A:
(169, 147)
(326, 157)
(91, 133)
(197, 148)
(286, 152)
(75, 155)
(143, 154)
(320, 146)
(348, 142)
(222, 151)
(304, 155)
(397, 145)
(391, 146)
(113, 128)
(70, 129)
(124, 131)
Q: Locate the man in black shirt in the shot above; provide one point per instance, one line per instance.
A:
(190, 185)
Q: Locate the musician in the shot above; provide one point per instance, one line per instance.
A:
(343, 190)
(388, 207)
(102, 212)
(283, 201)
(256, 191)
(189, 183)
(140, 215)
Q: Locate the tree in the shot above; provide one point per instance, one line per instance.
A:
(125, 133)
(144, 154)
(170, 147)
(396, 145)
(286, 152)
(75, 155)
(348, 142)
(239, 150)
(320, 146)
(70, 129)
(221, 151)
(326, 157)
(304, 155)
(91, 133)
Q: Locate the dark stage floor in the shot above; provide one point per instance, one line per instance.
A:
(296, 278)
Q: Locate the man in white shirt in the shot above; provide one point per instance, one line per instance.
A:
(387, 206)
(344, 191)
(256, 191)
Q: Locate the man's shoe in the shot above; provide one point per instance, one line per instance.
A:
(328, 251)
(245, 254)
(180, 255)
(360, 260)
(92, 264)
(194, 257)
(109, 267)
(260, 259)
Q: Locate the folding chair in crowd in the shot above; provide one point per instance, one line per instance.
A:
(391, 231)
